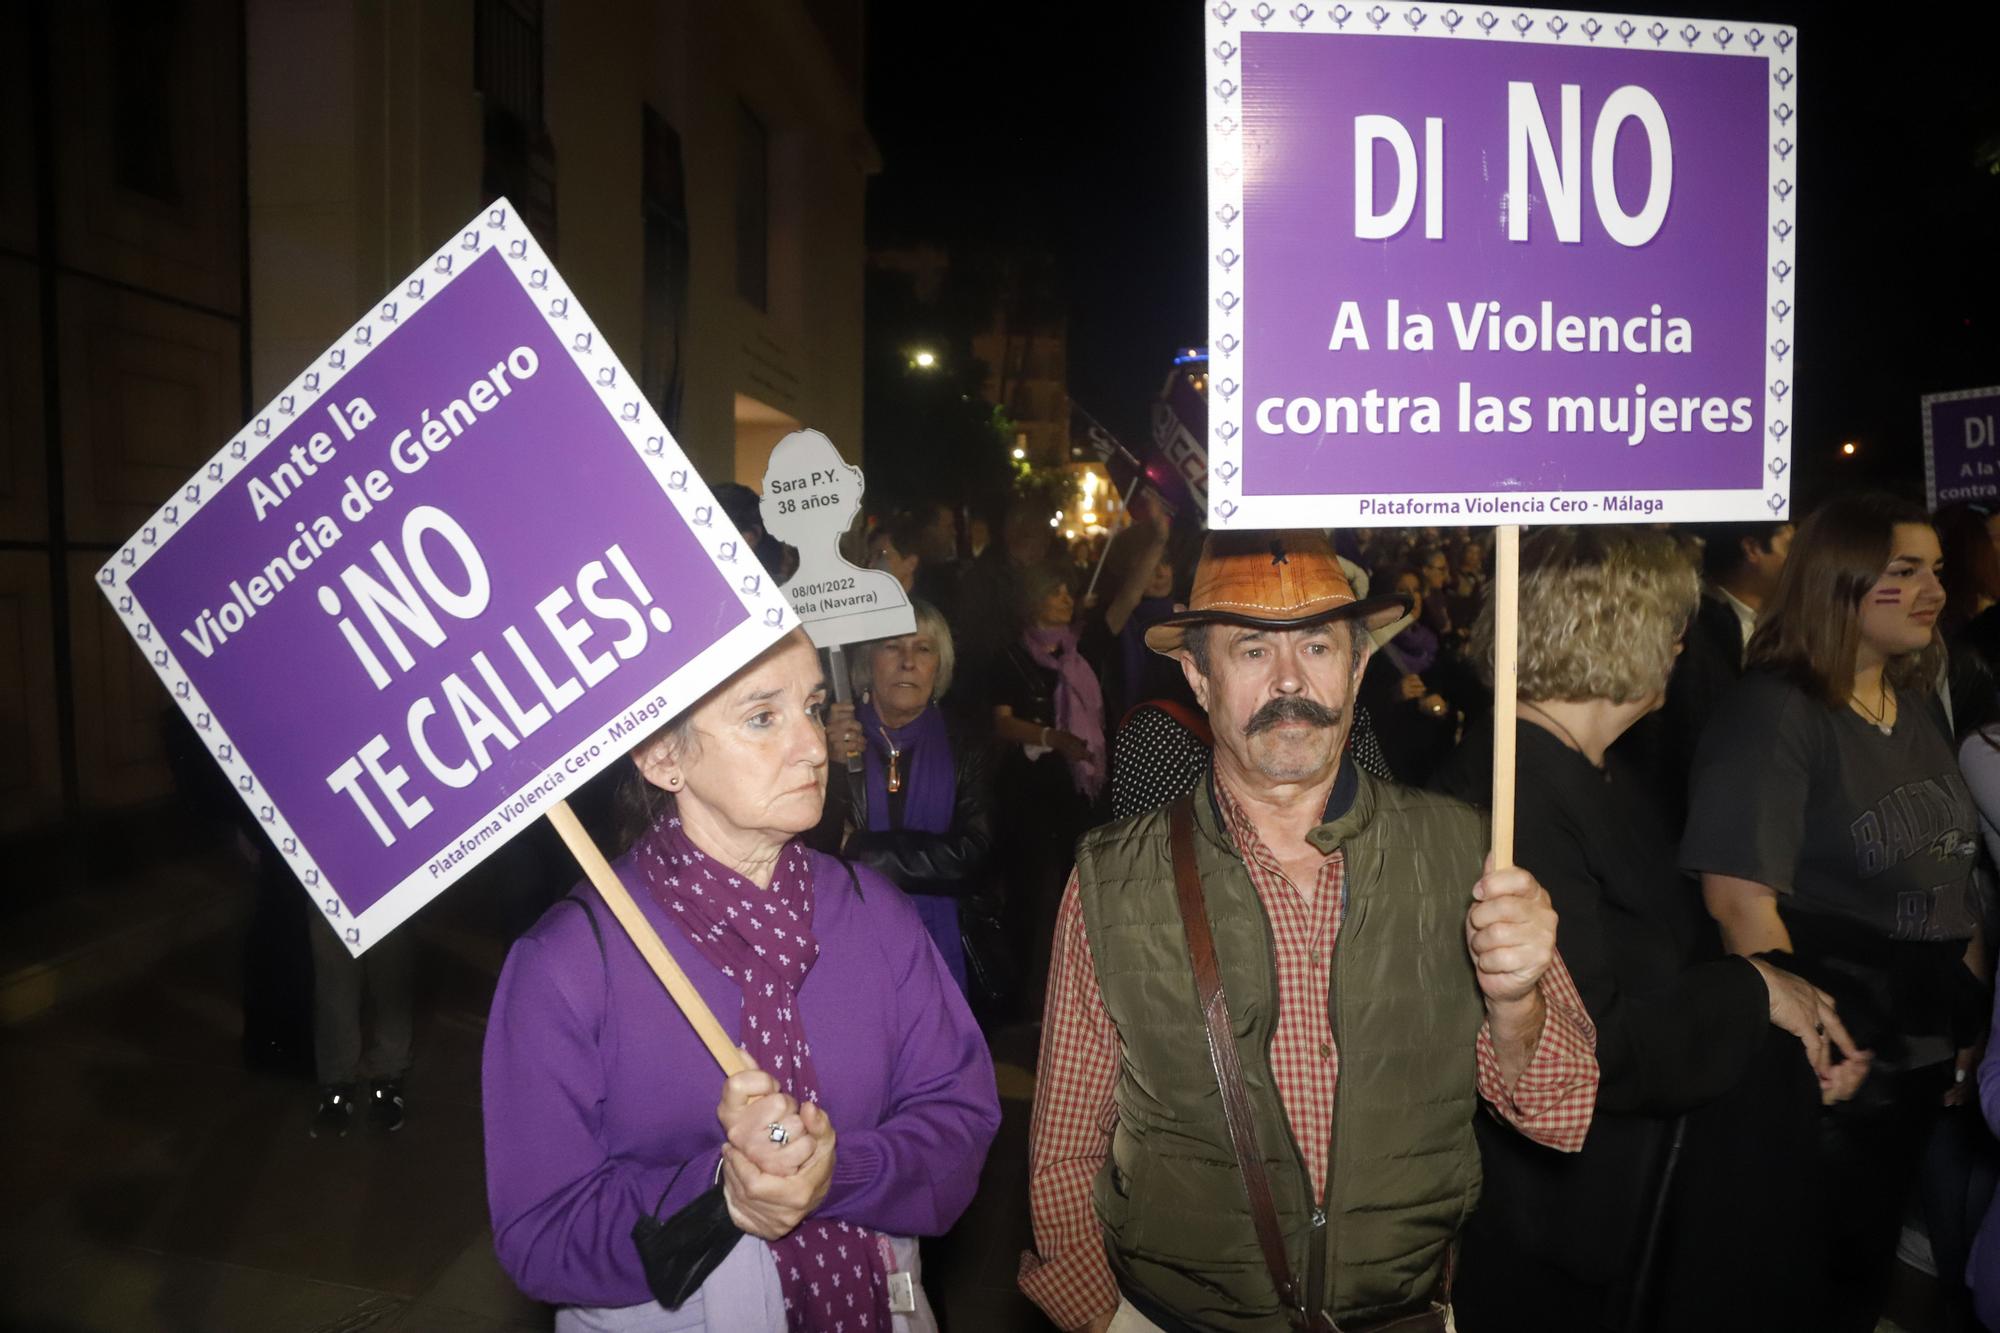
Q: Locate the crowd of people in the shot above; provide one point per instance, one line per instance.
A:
(1210, 812)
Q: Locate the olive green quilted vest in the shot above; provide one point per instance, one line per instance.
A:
(1405, 1010)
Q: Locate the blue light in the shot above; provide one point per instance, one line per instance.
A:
(1190, 355)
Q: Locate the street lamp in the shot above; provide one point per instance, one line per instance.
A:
(924, 359)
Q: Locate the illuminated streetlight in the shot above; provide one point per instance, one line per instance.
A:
(1020, 453)
(924, 360)
(1848, 449)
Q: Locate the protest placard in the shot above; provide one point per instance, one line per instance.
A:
(454, 568)
(1961, 448)
(1468, 267)
(1478, 266)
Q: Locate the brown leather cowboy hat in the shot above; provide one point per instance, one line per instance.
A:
(1274, 580)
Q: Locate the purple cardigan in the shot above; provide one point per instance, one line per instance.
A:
(597, 1091)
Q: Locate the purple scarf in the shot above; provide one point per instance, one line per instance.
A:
(923, 762)
(1079, 700)
(762, 939)
(1415, 650)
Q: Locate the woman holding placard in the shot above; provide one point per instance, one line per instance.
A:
(1692, 1045)
(871, 1104)
(1833, 832)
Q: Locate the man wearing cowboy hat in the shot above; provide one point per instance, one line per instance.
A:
(1276, 1004)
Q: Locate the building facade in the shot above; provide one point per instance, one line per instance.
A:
(197, 197)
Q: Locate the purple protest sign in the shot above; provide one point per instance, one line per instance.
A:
(453, 569)
(1482, 270)
(1961, 446)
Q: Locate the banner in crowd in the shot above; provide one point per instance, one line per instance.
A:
(1094, 436)
(1498, 266)
(1175, 463)
(1178, 465)
(453, 569)
(1962, 446)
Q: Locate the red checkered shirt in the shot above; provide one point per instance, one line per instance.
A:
(1067, 1273)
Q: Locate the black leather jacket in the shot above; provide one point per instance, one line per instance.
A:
(949, 865)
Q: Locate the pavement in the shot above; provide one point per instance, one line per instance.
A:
(152, 1183)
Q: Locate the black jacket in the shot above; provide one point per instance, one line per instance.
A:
(949, 865)
(1680, 1026)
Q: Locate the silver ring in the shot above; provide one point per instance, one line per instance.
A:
(779, 1134)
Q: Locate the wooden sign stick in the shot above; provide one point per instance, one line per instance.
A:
(1506, 678)
(651, 948)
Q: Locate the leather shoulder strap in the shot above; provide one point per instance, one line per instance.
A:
(1222, 1054)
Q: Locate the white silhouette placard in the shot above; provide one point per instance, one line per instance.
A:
(811, 495)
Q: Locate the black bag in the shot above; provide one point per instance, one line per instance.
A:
(679, 1253)
(990, 965)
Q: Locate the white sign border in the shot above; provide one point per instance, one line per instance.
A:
(1930, 457)
(769, 615)
(1228, 422)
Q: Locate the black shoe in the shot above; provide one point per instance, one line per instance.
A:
(385, 1105)
(336, 1112)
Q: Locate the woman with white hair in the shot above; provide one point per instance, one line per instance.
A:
(917, 810)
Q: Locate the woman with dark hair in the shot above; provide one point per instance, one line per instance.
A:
(1135, 587)
(602, 1112)
(1416, 724)
(1433, 568)
(1049, 725)
(1833, 833)
(1971, 568)
(916, 810)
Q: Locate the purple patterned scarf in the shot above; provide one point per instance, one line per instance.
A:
(924, 765)
(1079, 700)
(762, 939)
(1415, 650)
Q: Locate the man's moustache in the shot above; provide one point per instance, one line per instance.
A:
(1291, 710)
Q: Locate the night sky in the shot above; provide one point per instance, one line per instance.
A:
(1078, 129)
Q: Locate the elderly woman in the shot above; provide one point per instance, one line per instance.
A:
(917, 809)
(602, 1108)
(1686, 1046)
(1831, 827)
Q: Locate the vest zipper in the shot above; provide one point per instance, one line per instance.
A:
(1315, 1293)
(1326, 1233)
